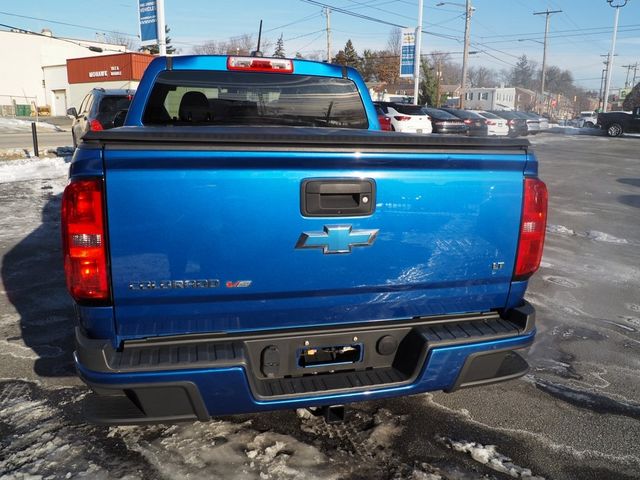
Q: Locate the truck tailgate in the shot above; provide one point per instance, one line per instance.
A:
(210, 239)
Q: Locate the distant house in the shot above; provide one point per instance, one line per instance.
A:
(496, 98)
(526, 100)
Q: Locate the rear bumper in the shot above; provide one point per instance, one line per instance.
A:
(189, 378)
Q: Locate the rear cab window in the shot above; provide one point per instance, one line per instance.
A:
(190, 97)
(114, 103)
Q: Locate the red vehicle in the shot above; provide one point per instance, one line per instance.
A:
(385, 122)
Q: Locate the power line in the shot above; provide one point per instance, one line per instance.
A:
(93, 48)
(67, 24)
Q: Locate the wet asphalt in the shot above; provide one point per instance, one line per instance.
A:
(576, 415)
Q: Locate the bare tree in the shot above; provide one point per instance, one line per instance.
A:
(394, 43)
(116, 38)
(482, 77)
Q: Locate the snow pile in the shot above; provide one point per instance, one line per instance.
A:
(32, 169)
(221, 449)
(605, 237)
(13, 125)
(487, 455)
(594, 235)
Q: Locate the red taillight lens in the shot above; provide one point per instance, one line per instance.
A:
(489, 122)
(511, 122)
(532, 228)
(83, 239)
(401, 118)
(467, 121)
(258, 64)
(95, 126)
(385, 123)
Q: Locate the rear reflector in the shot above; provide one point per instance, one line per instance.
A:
(259, 64)
(532, 228)
(85, 257)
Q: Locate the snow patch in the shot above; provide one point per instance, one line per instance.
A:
(32, 169)
(489, 456)
(605, 237)
(13, 125)
(560, 229)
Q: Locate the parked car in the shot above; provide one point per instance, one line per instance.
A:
(543, 123)
(445, 122)
(533, 124)
(517, 125)
(97, 111)
(406, 118)
(495, 125)
(587, 119)
(383, 119)
(617, 123)
(476, 124)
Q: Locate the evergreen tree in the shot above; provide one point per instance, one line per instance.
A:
(155, 48)
(523, 74)
(428, 88)
(348, 57)
(279, 51)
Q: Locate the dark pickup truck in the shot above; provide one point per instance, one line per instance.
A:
(617, 123)
(251, 241)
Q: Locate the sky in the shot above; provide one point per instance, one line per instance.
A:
(501, 30)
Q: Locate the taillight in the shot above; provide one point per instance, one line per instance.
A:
(511, 122)
(385, 123)
(401, 118)
(83, 240)
(259, 64)
(489, 122)
(532, 228)
(467, 121)
(95, 126)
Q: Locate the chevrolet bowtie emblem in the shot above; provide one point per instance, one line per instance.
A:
(337, 239)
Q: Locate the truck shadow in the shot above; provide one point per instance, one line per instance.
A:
(631, 200)
(33, 276)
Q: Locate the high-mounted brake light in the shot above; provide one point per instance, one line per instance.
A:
(260, 64)
(532, 228)
(83, 239)
(95, 126)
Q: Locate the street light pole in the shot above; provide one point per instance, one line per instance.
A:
(162, 36)
(617, 6)
(465, 55)
(544, 50)
(416, 55)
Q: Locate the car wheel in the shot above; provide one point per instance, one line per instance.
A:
(589, 125)
(614, 130)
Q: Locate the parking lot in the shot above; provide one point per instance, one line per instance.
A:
(576, 415)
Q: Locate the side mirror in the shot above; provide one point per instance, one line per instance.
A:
(636, 112)
(72, 112)
(119, 119)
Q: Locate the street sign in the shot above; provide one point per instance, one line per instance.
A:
(408, 52)
(148, 13)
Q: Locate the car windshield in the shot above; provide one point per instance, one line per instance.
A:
(408, 109)
(114, 103)
(464, 113)
(440, 114)
(253, 98)
(489, 115)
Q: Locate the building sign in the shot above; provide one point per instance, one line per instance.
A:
(408, 52)
(121, 67)
(148, 14)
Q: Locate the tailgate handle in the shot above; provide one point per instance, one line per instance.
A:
(337, 197)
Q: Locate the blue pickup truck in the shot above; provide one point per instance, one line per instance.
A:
(249, 241)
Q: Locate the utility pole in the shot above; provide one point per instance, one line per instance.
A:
(626, 80)
(465, 54)
(544, 51)
(618, 5)
(416, 55)
(162, 36)
(635, 67)
(602, 77)
(327, 12)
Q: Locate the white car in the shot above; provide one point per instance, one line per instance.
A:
(497, 126)
(587, 119)
(406, 117)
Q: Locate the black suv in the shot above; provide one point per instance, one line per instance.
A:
(98, 110)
